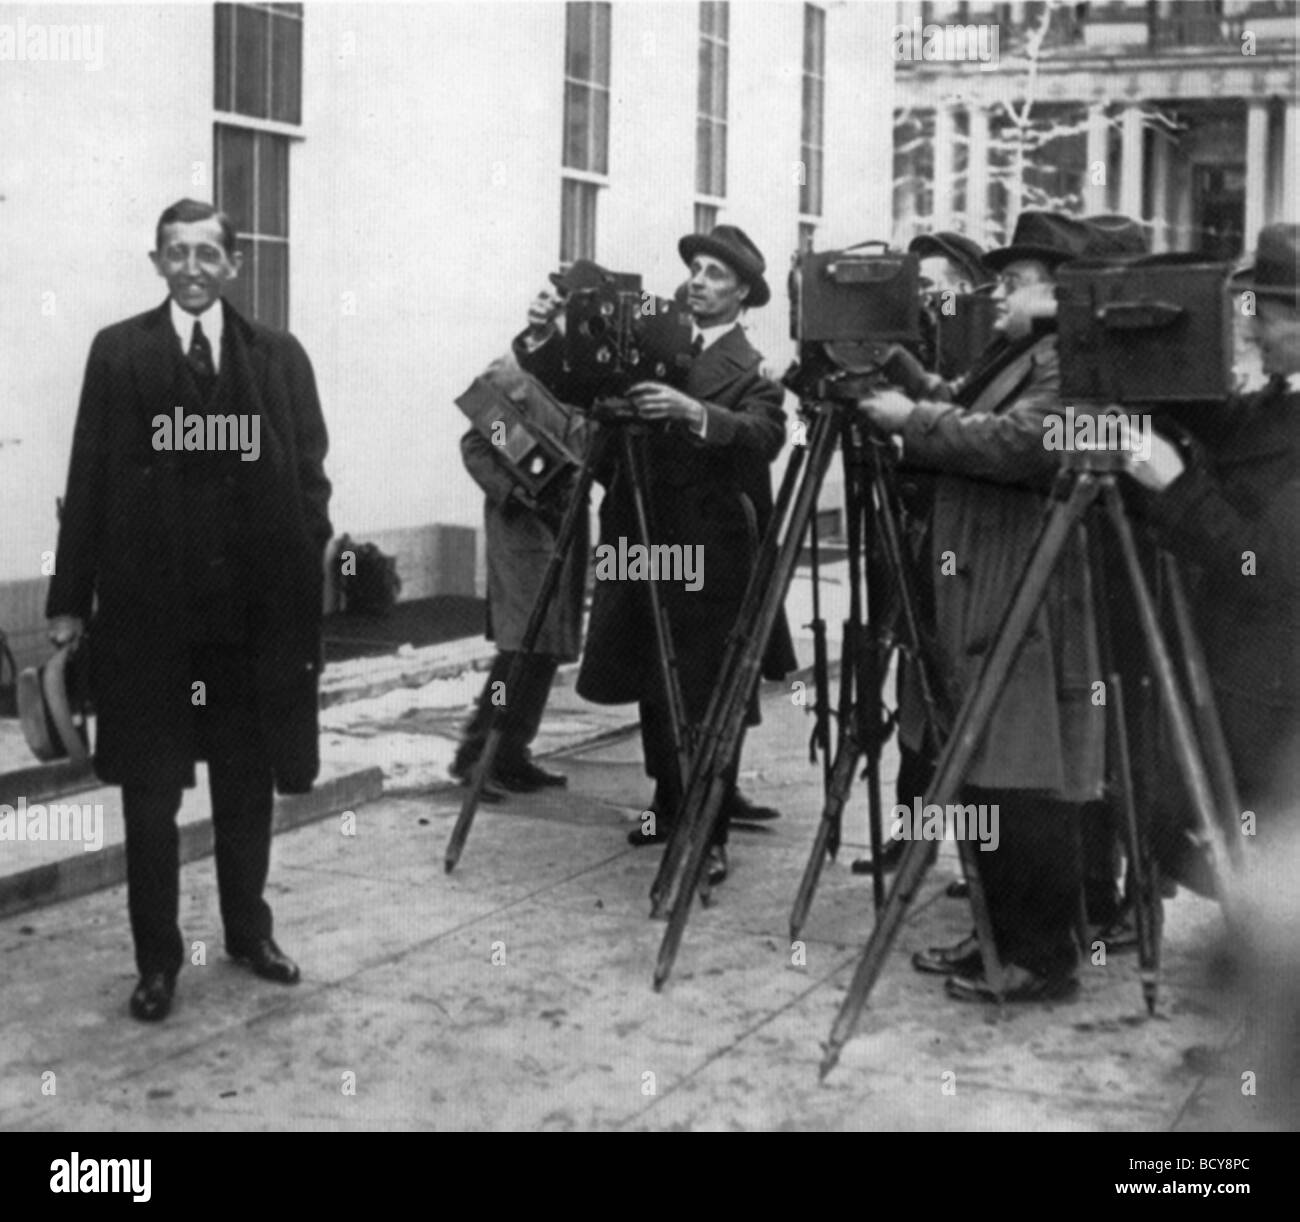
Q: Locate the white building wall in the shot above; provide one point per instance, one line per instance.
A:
(424, 207)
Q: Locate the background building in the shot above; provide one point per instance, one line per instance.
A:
(1180, 112)
(403, 177)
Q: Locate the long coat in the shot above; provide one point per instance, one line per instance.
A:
(1236, 520)
(714, 493)
(519, 546)
(123, 540)
(1046, 733)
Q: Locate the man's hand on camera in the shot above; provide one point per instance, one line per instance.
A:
(543, 316)
(887, 409)
(1163, 467)
(655, 401)
(66, 630)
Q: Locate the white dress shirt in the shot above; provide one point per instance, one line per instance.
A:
(213, 320)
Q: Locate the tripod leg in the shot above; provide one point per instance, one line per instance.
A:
(573, 512)
(954, 761)
(1188, 750)
(1145, 901)
(724, 727)
(1201, 693)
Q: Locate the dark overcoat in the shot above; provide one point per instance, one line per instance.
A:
(1046, 732)
(1236, 520)
(519, 545)
(713, 492)
(122, 546)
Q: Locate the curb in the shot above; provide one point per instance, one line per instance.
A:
(87, 872)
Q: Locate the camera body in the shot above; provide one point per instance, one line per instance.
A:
(616, 334)
(1153, 330)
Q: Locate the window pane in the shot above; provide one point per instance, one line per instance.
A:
(240, 291)
(250, 61)
(286, 70)
(706, 217)
(600, 132)
(235, 175)
(704, 86)
(272, 185)
(722, 20)
(720, 83)
(600, 50)
(577, 42)
(223, 93)
(703, 148)
(273, 284)
(720, 159)
(576, 125)
(814, 47)
(577, 221)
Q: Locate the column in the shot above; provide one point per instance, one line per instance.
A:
(944, 131)
(1256, 169)
(1130, 164)
(1094, 192)
(1159, 231)
(977, 174)
(1290, 165)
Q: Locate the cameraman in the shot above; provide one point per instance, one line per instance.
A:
(1235, 516)
(520, 540)
(1042, 753)
(709, 488)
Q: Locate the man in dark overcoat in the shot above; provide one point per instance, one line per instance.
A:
(1042, 755)
(194, 563)
(708, 458)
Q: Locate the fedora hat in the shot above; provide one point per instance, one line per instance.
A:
(957, 248)
(733, 246)
(1274, 272)
(1049, 237)
(46, 709)
(1110, 233)
(580, 274)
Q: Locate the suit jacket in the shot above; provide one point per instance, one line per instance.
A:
(129, 526)
(714, 493)
(1045, 732)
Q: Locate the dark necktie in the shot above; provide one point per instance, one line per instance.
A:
(200, 358)
(697, 346)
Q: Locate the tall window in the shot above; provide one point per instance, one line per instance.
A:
(258, 89)
(711, 104)
(814, 98)
(586, 126)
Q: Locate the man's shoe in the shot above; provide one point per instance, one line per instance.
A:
(267, 960)
(541, 776)
(962, 959)
(463, 771)
(151, 1001)
(741, 810)
(719, 867)
(1022, 985)
(958, 889)
(1121, 934)
(638, 837)
(526, 777)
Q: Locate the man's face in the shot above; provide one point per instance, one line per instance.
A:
(1277, 330)
(714, 293)
(1025, 291)
(940, 274)
(194, 263)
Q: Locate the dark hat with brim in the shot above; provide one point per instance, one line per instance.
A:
(1110, 234)
(957, 248)
(733, 246)
(45, 711)
(1049, 237)
(1277, 260)
(581, 274)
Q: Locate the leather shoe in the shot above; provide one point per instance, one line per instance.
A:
(526, 777)
(151, 1001)
(1022, 985)
(958, 889)
(741, 810)
(267, 960)
(961, 959)
(638, 837)
(463, 771)
(719, 867)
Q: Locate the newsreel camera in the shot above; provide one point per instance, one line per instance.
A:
(616, 335)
